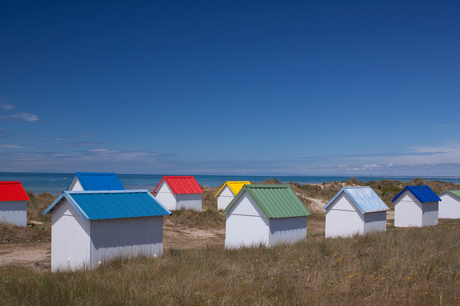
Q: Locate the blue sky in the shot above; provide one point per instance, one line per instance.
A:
(210, 87)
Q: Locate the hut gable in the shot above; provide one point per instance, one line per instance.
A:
(228, 191)
(449, 208)
(95, 181)
(364, 199)
(181, 184)
(423, 194)
(176, 192)
(13, 205)
(355, 210)
(275, 201)
(112, 204)
(416, 206)
(265, 214)
(233, 186)
(12, 191)
(103, 225)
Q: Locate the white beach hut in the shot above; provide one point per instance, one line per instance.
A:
(355, 210)
(13, 205)
(265, 214)
(228, 191)
(95, 181)
(416, 206)
(89, 227)
(449, 208)
(176, 192)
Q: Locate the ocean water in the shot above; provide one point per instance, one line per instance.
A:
(55, 183)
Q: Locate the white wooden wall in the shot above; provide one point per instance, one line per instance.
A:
(189, 201)
(408, 211)
(76, 185)
(430, 214)
(125, 237)
(343, 218)
(287, 230)
(375, 222)
(165, 195)
(14, 212)
(224, 198)
(449, 207)
(246, 224)
(70, 241)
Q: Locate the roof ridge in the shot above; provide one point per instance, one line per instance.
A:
(269, 185)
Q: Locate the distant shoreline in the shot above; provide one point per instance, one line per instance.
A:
(55, 183)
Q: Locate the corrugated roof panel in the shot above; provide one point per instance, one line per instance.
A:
(363, 197)
(455, 193)
(275, 201)
(181, 184)
(235, 186)
(422, 193)
(98, 205)
(99, 181)
(12, 191)
(366, 199)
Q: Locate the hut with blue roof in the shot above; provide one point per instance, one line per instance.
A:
(95, 181)
(416, 206)
(89, 227)
(355, 210)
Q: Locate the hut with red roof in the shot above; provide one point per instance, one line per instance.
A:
(13, 206)
(176, 192)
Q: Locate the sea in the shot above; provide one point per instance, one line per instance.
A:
(55, 183)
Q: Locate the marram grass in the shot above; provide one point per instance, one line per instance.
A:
(412, 266)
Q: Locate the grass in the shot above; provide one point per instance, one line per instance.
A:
(411, 266)
(39, 226)
(37, 205)
(385, 189)
(208, 218)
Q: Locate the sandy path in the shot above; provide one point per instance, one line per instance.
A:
(316, 204)
(35, 255)
(38, 255)
(186, 237)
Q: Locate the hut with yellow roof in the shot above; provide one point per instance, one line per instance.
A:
(228, 191)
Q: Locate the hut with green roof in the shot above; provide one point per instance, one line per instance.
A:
(449, 207)
(265, 214)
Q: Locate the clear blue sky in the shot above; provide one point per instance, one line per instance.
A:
(234, 87)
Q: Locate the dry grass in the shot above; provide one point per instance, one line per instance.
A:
(37, 205)
(413, 266)
(208, 218)
(20, 234)
(404, 266)
(39, 228)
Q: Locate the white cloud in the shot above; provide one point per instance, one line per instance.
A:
(371, 166)
(7, 107)
(11, 147)
(20, 117)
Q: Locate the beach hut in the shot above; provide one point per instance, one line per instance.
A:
(416, 206)
(228, 191)
(355, 210)
(176, 192)
(449, 208)
(265, 214)
(13, 206)
(95, 181)
(89, 227)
